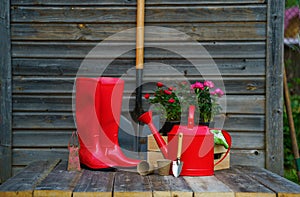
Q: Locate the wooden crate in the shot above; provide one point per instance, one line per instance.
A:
(153, 153)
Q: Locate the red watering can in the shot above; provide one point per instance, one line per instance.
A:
(197, 146)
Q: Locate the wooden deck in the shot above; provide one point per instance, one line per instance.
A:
(50, 178)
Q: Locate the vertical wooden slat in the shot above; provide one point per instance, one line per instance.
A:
(274, 87)
(5, 94)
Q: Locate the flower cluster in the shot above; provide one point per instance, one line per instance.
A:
(167, 100)
(207, 100)
(173, 101)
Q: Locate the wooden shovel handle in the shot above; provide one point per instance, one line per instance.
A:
(179, 150)
(140, 34)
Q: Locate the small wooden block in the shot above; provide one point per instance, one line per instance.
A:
(23, 183)
(153, 156)
(152, 145)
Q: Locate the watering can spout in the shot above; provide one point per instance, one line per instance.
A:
(147, 119)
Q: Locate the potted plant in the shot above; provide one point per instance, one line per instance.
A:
(172, 102)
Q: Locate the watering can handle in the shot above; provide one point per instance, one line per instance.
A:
(228, 139)
(191, 117)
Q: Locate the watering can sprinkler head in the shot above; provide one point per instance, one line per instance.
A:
(146, 117)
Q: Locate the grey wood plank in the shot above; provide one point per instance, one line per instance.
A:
(274, 87)
(122, 2)
(179, 187)
(94, 32)
(112, 50)
(119, 66)
(94, 183)
(159, 185)
(57, 120)
(131, 184)
(278, 184)
(254, 157)
(5, 92)
(59, 138)
(126, 14)
(62, 85)
(59, 182)
(40, 103)
(24, 156)
(208, 186)
(241, 184)
(23, 183)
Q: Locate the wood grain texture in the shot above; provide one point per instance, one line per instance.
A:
(98, 32)
(160, 186)
(208, 186)
(43, 103)
(51, 178)
(5, 92)
(274, 87)
(119, 66)
(133, 3)
(271, 180)
(63, 120)
(23, 183)
(93, 183)
(243, 185)
(126, 14)
(59, 182)
(128, 184)
(64, 85)
(111, 50)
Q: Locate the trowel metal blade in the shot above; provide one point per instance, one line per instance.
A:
(177, 167)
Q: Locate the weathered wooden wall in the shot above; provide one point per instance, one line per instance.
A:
(50, 38)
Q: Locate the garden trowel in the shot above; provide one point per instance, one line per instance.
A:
(177, 164)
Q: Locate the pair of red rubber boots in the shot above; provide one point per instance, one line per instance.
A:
(98, 110)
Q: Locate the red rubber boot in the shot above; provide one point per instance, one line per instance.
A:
(97, 150)
(88, 127)
(109, 107)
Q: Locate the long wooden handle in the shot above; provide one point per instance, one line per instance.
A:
(180, 137)
(140, 34)
(291, 123)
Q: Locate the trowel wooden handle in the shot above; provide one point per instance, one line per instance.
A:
(179, 150)
(140, 15)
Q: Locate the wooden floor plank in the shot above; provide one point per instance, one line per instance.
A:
(160, 186)
(94, 183)
(59, 182)
(130, 184)
(242, 184)
(23, 183)
(208, 186)
(179, 186)
(271, 180)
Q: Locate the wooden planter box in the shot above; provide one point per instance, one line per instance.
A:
(153, 153)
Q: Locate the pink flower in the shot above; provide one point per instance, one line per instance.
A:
(171, 100)
(147, 96)
(209, 84)
(159, 84)
(167, 92)
(197, 85)
(170, 88)
(219, 92)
